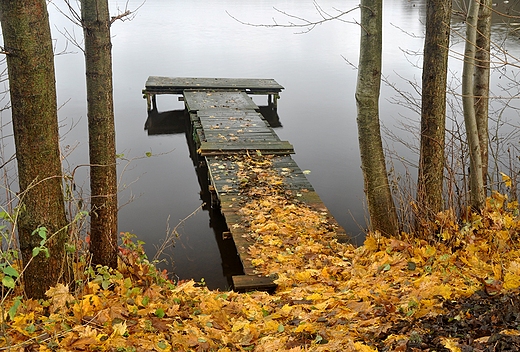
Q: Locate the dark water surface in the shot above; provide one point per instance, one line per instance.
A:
(198, 38)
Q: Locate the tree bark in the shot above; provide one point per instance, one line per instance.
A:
(383, 216)
(482, 73)
(477, 194)
(30, 62)
(433, 110)
(102, 149)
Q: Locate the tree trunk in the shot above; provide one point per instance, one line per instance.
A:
(383, 216)
(102, 150)
(433, 110)
(30, 62)
(482, 72)
(468, 103)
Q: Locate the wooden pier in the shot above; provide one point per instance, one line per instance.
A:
(225, 122)
(178, 85)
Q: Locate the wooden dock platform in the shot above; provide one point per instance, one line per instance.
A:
(226, 122)
(178, 85)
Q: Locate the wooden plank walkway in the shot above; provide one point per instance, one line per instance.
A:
(226, 122)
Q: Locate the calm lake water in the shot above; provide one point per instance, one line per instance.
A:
(198, 38)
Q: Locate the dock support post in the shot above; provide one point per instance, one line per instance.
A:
(272, 100)
(148, 102)
(154, 101)
(151, 101)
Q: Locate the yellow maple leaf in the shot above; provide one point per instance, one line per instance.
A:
(271, 326)
(510, 332)
(307, 327)
(361, 347)
(285, 310)
(239, 325)
(303, 275)
(59, 297)
(512, 205)
(314, 297)
(442, 290)
(512, 277)
(371, 243)
(162, 344)
(511, 281)
(119, 329)
(451, 344)
(506, 179)
(88, 304)
(21, 321)
(257, 262)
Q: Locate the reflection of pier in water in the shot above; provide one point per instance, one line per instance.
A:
(177, 121)
(220, 120)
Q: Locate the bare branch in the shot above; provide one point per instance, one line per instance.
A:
(123, 16)
(74, 15)
(295, 21)
(126, 14)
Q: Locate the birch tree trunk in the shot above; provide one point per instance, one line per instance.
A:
(30, 62)
(482, 72)
(433, 110)
(477, 194)
(383, 216)
(102, 148)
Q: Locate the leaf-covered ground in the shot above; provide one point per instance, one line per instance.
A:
(458, 293)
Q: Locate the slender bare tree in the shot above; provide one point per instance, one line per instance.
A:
(102, 141)
(42, 224)
(433, 110)
(477, 194)
(481, 89)
(383, 215)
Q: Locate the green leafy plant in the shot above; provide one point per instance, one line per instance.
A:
(10, 276)
(42, 232)
(104, 276)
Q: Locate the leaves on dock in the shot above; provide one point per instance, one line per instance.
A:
(390, 294)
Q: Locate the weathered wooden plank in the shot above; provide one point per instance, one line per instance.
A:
(248, 118)
(265, 147)
(226, 112)
(230, 135)
(245, 283)
(179, 84)
(199, 100)
(219, 131)
(216, 128)
(227, 128)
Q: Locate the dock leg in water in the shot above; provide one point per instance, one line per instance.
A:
(151, 101)
(272, 101)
